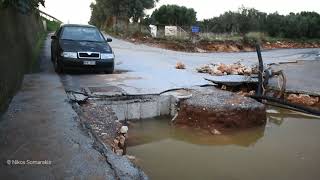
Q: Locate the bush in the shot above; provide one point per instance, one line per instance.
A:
(52, 25)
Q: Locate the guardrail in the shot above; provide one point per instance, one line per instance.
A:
(49, 17)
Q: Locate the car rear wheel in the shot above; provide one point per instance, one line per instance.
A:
(57, 66)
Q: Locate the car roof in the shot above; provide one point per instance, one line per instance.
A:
(77, 25)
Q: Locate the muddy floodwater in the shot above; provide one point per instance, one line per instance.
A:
(288, 147)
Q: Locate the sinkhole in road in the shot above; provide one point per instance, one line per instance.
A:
(280, 149)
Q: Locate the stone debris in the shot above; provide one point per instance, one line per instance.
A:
(180, 65)
(119, 144)
(215, 132)
(244, 93)
(226, 69)
(132, 158)
(124, 129)
(77, 97)
(200, 50)
(303, 99)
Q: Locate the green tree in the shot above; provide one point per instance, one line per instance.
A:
(293, 25)
(29, 4)
(123, 9)
(274, 24)
(174, 15)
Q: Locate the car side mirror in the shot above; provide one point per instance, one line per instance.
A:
(53, 37)
(109, 40)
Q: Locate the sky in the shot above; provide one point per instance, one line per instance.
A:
(78, 11)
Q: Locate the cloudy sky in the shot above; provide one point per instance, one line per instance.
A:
(78, 11)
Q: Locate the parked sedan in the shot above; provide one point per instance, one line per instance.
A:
(81, 47)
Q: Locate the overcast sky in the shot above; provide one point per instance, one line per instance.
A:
(78, 11)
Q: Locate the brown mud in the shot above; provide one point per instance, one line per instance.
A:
(216, 46)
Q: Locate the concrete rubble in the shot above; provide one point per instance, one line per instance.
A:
(303, 99)
(77, 97)
(119, 144)
(227, 69)
(180, 65)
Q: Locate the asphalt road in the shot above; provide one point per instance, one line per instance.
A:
(142, 69)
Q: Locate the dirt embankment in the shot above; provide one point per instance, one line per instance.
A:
(220, 111)
(216, 46)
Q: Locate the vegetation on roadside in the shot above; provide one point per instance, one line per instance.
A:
(109, 12)
(231, 31)
(173, 15)
(24, 5)
(248, 23)
(245, 20)
(36, 51)
(51, 25)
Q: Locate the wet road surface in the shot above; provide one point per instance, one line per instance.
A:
(40, 125)
(141, 69)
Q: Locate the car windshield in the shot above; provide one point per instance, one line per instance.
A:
(81, 34)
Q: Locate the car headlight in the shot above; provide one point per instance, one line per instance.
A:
(107, 56)
(69, 55)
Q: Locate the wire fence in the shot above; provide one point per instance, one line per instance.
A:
(180, 32)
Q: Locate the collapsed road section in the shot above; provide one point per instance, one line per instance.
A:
(209, 108)
(108, 111)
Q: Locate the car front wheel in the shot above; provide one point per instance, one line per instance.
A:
(110, 70)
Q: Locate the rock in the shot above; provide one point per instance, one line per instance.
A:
(223, 69)
(247, 71)
(303, 99)
(180, 65)
(217, 71)
(122, 141)
(124, 130)
(119, 152)
(130, 157)
(204, 69)
(215, 132)
(116, 142)
(200, 50)
(77, 97)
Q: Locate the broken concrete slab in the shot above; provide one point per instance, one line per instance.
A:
(110, 91)
(76, 97)
(138, 107)
(220, 110)
(233, 80)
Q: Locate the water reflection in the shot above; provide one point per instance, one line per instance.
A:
(158, 129)
(286, 148)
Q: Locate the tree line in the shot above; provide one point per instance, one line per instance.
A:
(173, 15)
(106, 12)
(24, 5)
(293, 25)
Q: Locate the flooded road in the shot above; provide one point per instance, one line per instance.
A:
(288, 147)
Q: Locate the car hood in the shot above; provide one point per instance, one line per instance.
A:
(76, 46)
